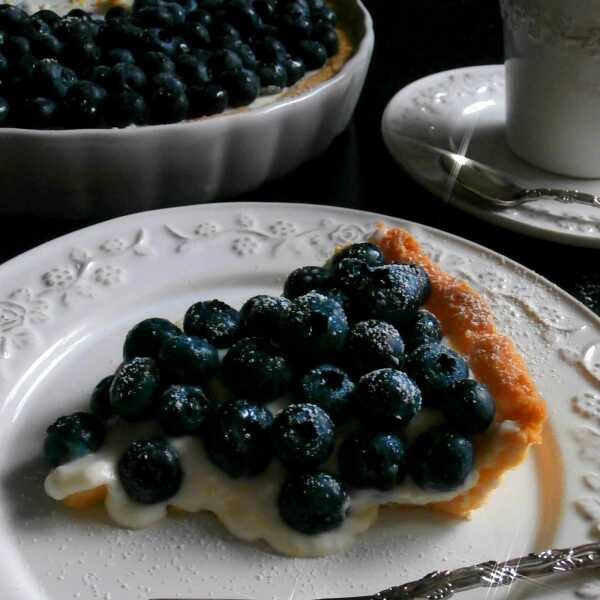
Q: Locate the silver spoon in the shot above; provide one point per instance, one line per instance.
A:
(498, 189)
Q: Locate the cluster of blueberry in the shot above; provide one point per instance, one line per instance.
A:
(162, 62)
(352, 347)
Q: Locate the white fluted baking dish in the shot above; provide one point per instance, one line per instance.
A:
(106, 172)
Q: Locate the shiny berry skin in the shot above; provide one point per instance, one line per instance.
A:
(272, 75)
(424, 328)
(168, 103)
(155, 16)
(238, 438)
(365, 252)
(331, 389)
(38, 113)
(315, 329)
(313, 54)
(134, 388)
(50, 79)
(192, 70)
(12, 18)
(126, 75)
(468, 407)
(82, 105)
(125, 107)
(255, 368)
(387, 398)
(262, 316)
(394, 293)
(327, 35)
(4, 111)
(100, 399)
(246, 54)
(118, 55)
(188, 359)
(72, 437)
(242, 85)
(303, 436)
(120, 33)
(306, 279)
(295, 70)
(48, 16)
(351, 275)
(150, 471)
(370, 459)
(434, 368)
(201, 16)
(271, 50)
(207, 99)
(146, 338)
(15, 47)
(440, 460)
(160, 40)
(154, 63)
(196, 34)
(373, 345)
(224, 35)
(182, 410)
(214, 321)
(313, 503)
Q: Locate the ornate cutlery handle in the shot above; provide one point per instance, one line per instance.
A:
(441, 585)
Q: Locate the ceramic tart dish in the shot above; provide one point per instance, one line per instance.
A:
(377, 379)
(215, 128)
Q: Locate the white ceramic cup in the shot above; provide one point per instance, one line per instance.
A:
(552, 62)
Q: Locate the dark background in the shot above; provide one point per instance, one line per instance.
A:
(413, 39)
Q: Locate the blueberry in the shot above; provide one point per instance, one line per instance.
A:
(342, 298)
(196, 34)
(434, 368)
(72, 437)
(74, 30)
(313, 503)
(394, 293)
(440, 459)
(373, 345)
(387, 398)
(295, 28)
(46, 45)
(272, 75)
(155, 63)
(262, 316)
(303, 436)
(246, 54)
(187, 5)
(188, 359)
(365, 252)
(125, 107)
(238, 438)
(192, 70)
(150, 471)
(118, 55)
(224, 35)
(155, 16)
(4, 111)
(48, 16)
(51, 80)
(224, 60)
(315, 328)
(16, 46)
(182, 410)
(306, 279)
(82, 57)
(82, 105)
(351, 275)
(116, 12)
(213, 320)
(331, 389)
(271, 50)
(243, 16)
(325, 15)
(255, 368)
(124, 75)
(100, 399)
(120, 33)
(177, 12)
(79, 13)
(169, 102)
(146, 338)
(34, 26)
(207, 99)
(265, 8)
(313, 54)
(424, 328)
(242, 85)
(3, 65)
(468, 406)
(100, 75)
(133, 389)
(38, 113)
(372, 459)
(327, 35)
(295, 70)
(12, 18)
(200, 16)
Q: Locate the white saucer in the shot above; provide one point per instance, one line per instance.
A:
(463, 110)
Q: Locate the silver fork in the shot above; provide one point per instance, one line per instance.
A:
(441, 585)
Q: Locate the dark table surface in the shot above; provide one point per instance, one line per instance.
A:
(413, 39)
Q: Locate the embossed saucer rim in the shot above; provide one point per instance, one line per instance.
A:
(507, 285)
(431, 110)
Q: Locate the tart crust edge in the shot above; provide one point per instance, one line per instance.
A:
(468, 322)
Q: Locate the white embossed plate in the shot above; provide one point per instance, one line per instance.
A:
(64, 308)
(463, 110)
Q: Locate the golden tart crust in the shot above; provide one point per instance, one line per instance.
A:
(467, 321)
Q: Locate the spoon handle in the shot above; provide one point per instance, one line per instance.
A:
(566, 196)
